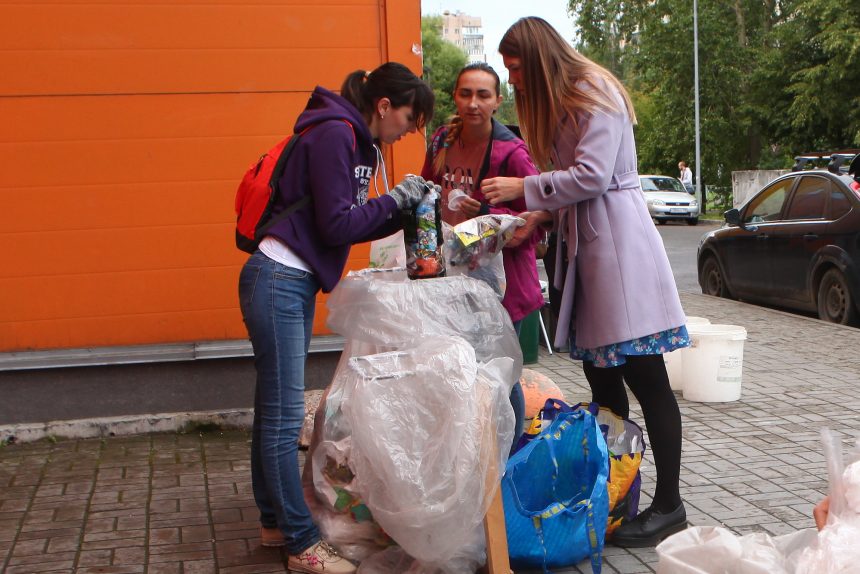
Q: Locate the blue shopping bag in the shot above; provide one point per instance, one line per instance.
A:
(626, 445)
(555, 496)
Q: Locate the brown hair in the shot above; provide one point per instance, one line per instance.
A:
(455, 124)
(393, 81)
(551, 70)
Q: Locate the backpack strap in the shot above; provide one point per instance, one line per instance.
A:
(280, 167)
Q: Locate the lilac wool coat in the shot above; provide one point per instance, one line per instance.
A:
(617, 284)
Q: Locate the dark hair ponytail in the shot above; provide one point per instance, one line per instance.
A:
(393, 81)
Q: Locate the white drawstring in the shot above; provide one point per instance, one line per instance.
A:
(380, 165)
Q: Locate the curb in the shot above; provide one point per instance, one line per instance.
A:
(778, 311)
(126, 425)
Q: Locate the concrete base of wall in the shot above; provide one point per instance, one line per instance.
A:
(80, 393)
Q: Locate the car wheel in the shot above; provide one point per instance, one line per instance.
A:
(661, 222)
(713, 282)
(835, 304)
(693, 221)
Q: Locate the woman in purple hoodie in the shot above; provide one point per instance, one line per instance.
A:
(620, 308)
(335, 164)
(475, 146)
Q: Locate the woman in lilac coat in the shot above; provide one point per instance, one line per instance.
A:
(620, 308)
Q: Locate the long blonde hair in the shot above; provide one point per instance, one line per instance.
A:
(551, 70)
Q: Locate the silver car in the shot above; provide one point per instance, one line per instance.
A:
(668, 199)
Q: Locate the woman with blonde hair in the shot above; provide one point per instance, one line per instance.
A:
(620, 309)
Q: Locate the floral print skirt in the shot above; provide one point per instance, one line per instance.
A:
(616, 353)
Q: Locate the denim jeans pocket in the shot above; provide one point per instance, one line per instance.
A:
(247, 285)
(284, 272)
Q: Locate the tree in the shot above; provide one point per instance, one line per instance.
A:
(507, 112)
(442, 62)
(819, 43)
(776, 77)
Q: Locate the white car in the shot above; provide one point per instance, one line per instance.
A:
(668, 199)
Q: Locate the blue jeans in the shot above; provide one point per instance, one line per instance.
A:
(277, 305)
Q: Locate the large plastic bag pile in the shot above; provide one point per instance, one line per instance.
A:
(416, 425)
(833, 550)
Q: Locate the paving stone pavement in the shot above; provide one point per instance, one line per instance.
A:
(182, 503)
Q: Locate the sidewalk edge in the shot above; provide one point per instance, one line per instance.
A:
(125, 425)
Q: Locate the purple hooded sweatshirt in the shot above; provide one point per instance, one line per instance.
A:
(334, 163)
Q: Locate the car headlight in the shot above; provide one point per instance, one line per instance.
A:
(694, 203)
(656, 202)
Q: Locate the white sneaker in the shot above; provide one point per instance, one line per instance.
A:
(320, 558)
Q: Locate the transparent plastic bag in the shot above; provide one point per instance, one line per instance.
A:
(474, 248)
(715, 550)
(387, 311)
(388, 252)
(426, 444)
(406, 425)
(837, 551)
(833, 550)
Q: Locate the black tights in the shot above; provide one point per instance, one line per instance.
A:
(646, 376)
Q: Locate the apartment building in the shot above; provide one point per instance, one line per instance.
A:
(466, 32)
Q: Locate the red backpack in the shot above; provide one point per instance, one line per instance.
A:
(258, 191)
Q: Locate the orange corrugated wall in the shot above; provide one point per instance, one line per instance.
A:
(124, 130)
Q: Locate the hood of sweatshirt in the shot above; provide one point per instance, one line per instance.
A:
(326, 105)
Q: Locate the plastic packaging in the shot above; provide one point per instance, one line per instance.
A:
(422, 230)
(837, 551)
(383, 309)
(715, 550)
(388, 252)
(416, 424)
(833, 550)
(474, 248)
(456, 197)
(420, 442)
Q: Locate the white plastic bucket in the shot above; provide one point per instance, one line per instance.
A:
(713, 365)
(674, 360)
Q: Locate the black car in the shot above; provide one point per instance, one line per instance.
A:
(795, 244)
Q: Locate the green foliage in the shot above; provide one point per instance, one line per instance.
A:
(442, 62)
(824, 75)
(776, 77)
(507, 112)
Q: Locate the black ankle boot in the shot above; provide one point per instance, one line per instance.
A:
(649, 528)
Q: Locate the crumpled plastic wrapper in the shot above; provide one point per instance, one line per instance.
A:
(474, 248)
